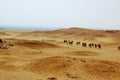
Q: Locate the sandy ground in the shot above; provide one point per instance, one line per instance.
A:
(42, 55)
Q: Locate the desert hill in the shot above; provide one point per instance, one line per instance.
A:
(45, 55)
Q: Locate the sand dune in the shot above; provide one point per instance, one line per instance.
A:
(3, 34)
(82, 53)
(42, 55)
(74, 68)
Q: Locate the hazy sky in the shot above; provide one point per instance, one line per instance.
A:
(98, 14)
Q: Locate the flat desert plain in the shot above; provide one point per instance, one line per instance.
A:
(60, 54)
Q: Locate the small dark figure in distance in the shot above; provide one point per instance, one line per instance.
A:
(65, 41)
(1, 41)
(118, 48)
(99, 46)
(77, 43)
(70, 42)
(84, 45)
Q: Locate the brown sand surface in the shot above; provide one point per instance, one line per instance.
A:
(43, 55)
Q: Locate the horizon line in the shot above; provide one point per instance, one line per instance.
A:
(47, 28)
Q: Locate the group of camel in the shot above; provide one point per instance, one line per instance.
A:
(84, 44)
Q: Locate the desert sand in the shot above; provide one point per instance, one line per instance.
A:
(43, 55)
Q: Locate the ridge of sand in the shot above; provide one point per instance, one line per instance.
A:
(42, 55)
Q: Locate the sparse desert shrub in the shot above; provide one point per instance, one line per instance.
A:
(71, 76)
(40, 51)
(52, 78)
(11, 44)
(110, 31)
(83, 61)
(4, 47)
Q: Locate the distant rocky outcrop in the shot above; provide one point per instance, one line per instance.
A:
(4, 44)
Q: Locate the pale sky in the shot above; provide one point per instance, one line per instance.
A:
(93, 14)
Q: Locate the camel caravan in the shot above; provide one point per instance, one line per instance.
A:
(83, 44)
(5, 45)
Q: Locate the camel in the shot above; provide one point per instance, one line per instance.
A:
(91, 45)
(68, 42)
(71, 42)
(65, 41)
(77, 43)
(99, 46)
(84, 44)
(96, 46)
